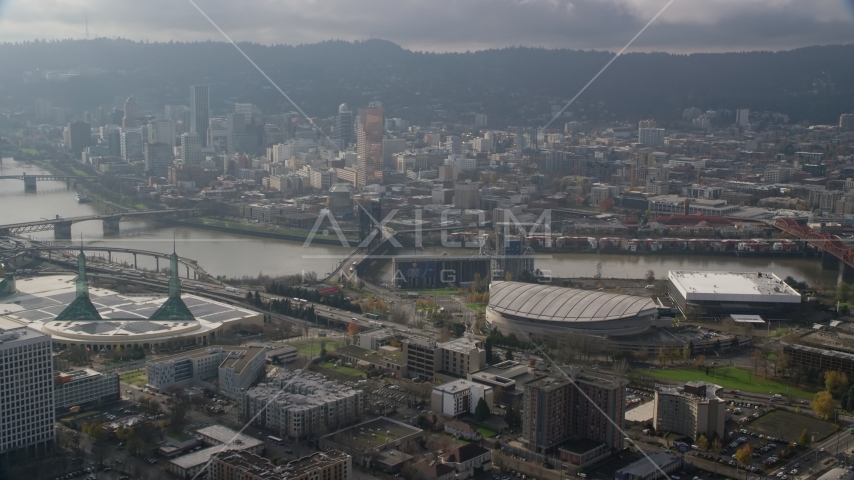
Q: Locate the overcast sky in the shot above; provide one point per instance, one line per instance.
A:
(448, 25)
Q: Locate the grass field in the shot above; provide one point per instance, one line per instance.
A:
(476, 307)
(304, 347)
(343, 369)
(138, 378)
(790, 425)
(487, 433)
(733, 378)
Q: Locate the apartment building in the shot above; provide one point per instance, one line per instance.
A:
(692, 409)
(84, 388)
(26, 391)
(329, 465)
(422, 355)
(459, 397)
(462, 356)
(299, 406)
(557, 409)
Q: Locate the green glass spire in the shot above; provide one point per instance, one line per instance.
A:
(174, 281)
(81, 308)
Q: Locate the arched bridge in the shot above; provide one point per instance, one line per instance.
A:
(62, 226)
(199, 273)
(31, 180)
(834, 250)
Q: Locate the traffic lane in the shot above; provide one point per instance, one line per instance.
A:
(821, 450)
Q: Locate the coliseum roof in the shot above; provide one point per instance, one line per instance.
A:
(545, 302)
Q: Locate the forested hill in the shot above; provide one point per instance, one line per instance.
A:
(512, 85)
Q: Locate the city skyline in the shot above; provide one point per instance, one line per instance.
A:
(723, 25)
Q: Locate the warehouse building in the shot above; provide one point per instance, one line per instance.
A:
(720, 294)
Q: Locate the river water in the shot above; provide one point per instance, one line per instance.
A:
(237, 255)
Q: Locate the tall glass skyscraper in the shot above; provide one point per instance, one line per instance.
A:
(369, 145)
(200, 112)
(344, 126)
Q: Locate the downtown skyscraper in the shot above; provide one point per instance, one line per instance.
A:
(369, 145)
(344, 126)
(200, 112)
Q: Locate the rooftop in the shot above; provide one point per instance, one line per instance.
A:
(239, 359)
(40, 299)
(197, 458)
(644, 467)
(225, 435)
(697, 284)
(457, 385)
(12, 331)
(462, 345)
(373, 433)
(546, 302)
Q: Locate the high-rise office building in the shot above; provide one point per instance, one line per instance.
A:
(158, 158)
(191, 149)
(649, 123)
(344, 126)
(245, 109)
(80, 136)
(200, 112)
(161, 130)
(846, 121)
(131, 144)
(26, 390)
(651, 137)
(129, 119)
(467, 196)
(235, 127)
(741, 117)
(369, 145)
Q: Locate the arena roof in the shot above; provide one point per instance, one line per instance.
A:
(546, 302)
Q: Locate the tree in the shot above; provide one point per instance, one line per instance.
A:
(353, 328)
(744, 455)
(606, 204)
(824, 405)
(804, 439)
(509, 354)
(700, 361)
(510, 418)
(686, 352)
(842, 292)
(835, 382)
(703, 443)
(650, 276)
(717, 445)
(481, 412)
(662, 356)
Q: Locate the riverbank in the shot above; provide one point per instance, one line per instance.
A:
(205, 223)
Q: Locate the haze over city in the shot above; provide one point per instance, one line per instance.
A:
(504, 240)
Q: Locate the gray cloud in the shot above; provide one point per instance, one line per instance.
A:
(449, 25)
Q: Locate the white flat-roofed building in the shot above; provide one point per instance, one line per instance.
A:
(724, 293)
(219, 435)
(26, 389)
(456, 398)
(84, 388)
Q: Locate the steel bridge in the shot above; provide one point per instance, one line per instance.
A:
(834, 252)
(62, 226)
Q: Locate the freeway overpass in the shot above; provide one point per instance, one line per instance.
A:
(62, 226)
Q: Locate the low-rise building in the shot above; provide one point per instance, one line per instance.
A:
(188, 466)
(650, 468)
(331, 465)
(367, 440)
(282, 354)
(236, 368)
(84, 388)
(462, 430)
(468, 460)
(459, 397)
(693, 409)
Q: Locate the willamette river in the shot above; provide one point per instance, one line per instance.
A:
(237, 255)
